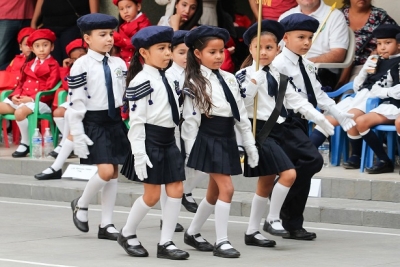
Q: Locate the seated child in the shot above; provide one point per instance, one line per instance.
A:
(40, 73)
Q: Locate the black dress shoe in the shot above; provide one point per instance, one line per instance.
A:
(189, 206)
(381, 167)
(172, 254)
(134, 251)
(178, 228)
(104, 234)
(268, 228)
(201, 246)
(225, 253)
(82, 226)
(352, 163)
(49, 176)
(17, 154)
(53, 154)
(301, 234)
(250, 240)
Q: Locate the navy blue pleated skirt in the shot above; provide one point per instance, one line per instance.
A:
(215, 149)
(273, 159)
(109, 136)
(168, 165)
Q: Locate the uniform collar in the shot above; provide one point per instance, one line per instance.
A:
(177, 68)
(205, 71)
(154, 72)
(394, 56)
(96, 56)
(294, 58)
(253, 65)
(42, 60)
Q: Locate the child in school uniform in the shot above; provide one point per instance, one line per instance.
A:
(273, 160)
(39, 73)
(96, 87)
(299, 30)
(374, 74)
(212, 107)
(75, 50)
(132, 20)
(155, 158)
(387, 88)
(10, 77)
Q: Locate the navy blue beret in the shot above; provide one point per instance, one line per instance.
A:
(152, 35)
(96, 21)
(179, 37)
(271, 26)
(300, 22)
(205, 31)
(386, 31)
(398, 37)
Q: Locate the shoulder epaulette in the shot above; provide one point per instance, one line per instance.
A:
(76, 81)
(241, 77)
(188, 92)
(138, 92)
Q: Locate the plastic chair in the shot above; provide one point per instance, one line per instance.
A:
(35, 116)
(367, 155)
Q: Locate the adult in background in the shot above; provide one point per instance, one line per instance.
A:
(60, 16)
(363, 18)
(331, 44)
(14, 16)
(277, 8)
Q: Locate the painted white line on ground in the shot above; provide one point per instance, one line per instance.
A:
(190, 218)
(35, 263)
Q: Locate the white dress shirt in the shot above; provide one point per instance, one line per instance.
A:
(92, 64)
(221, 107)
(176, 73)
(159, 113)
(287, 63)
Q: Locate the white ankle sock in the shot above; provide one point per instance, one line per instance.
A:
(23, 128)
(258, 207)
(60, 121)
(203, 212)
(221, 222)
(278, 196)
(94, 185)
(163, 200)
(173, 206)
(108, 197)
(138, 211)
(62, 156)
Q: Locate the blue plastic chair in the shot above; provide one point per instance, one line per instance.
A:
(367, 155)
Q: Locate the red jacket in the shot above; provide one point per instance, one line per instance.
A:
(10, 77)
(45, 78)
(127, 30)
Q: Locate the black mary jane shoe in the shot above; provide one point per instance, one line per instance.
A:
(178, 228)
(134, 251)
(53, 153)
(381, 167)
(352, 163)
(49, 176)
(251, 240)
(104, 234)
(225, 253)
(270, 229)
(301, 234)
(189, 206)
(201, 246)
(82, 226)
(17, 154)
(172, 254)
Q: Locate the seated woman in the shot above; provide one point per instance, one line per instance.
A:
(186, 15)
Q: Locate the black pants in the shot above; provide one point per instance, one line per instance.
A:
(307, 161)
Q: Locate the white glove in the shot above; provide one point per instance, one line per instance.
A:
(252, 155)
(81, 143)
(314, 115)
(345, 119)
(141, 163)
(394, 92)
(369, 64)
(259, 76)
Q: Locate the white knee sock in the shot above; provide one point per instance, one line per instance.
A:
(108, 197)
(258, 207)
(138, 211)
(62, 156)
(173, 206)
(221, 222)
(60, 122)
(203, 212)
(278, 196)
(94, 185)
(193, 178)
(23, 128)
(163, 200)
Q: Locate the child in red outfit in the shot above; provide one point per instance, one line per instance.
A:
(10, 77)
(40, 73)
(132, 20)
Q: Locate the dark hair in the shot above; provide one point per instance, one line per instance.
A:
(249, 59)
(195, 80)
(31, 57)
(346, 2)
(193, 21)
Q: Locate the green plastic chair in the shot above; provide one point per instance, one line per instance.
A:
(35, 116)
